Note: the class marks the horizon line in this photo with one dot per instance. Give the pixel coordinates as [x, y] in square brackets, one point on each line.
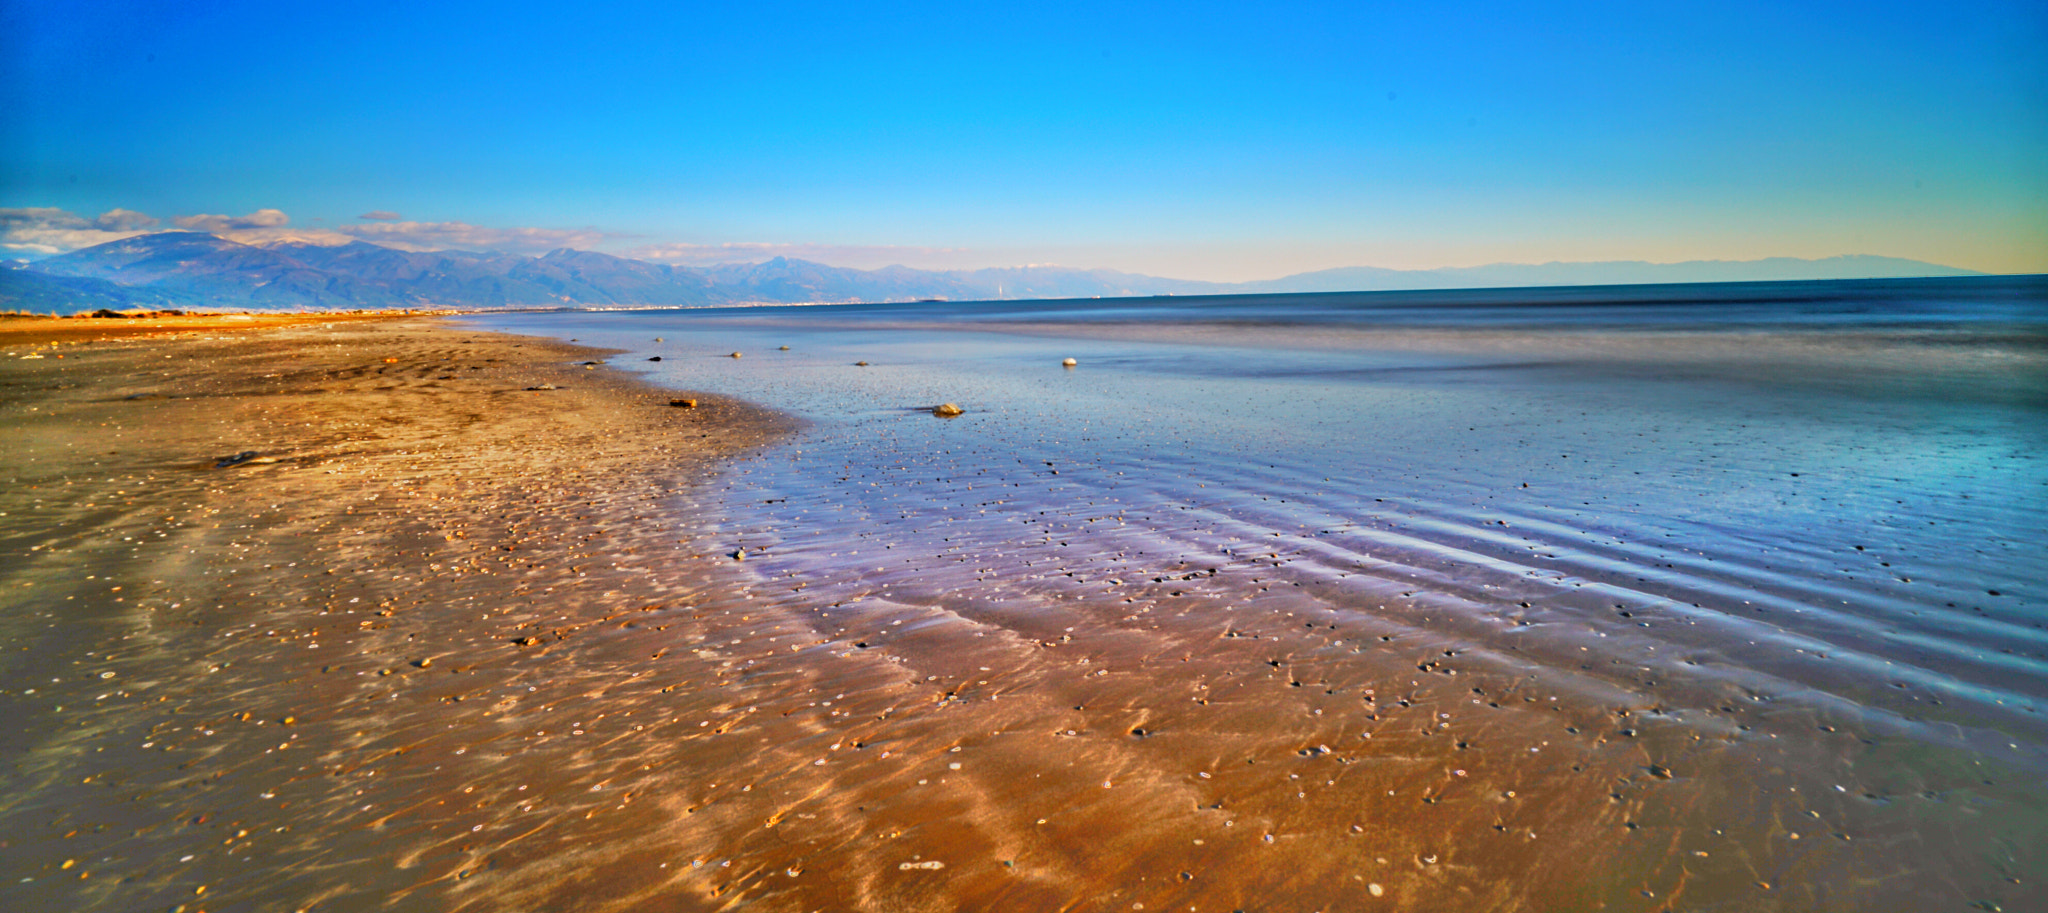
[25, 259]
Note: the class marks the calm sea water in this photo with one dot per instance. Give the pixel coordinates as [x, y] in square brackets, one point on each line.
[1831, 492]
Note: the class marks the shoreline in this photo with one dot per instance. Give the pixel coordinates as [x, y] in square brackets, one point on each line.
[446, 641]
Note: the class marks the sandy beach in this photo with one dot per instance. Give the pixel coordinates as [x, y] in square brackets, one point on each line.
[397, 614]
[200, 651]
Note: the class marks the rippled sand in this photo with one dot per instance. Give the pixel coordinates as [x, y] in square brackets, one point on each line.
[464, 645]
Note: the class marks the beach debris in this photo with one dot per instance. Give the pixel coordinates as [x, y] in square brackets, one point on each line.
[1070, 363]
[734, 355]
[235, 460]
[947, 410]
[683, 403]
[544, 387]
[655, 358]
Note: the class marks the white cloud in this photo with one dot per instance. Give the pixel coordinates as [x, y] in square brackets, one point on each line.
[49, 230]
[219, 225]
[262, 227]
[853, 255]
[464, 236]
[118, 219]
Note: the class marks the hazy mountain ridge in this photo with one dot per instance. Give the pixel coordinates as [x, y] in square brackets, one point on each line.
[1610, 272]
[198, 270]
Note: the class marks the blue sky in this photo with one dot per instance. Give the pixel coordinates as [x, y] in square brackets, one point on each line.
[1196, 140]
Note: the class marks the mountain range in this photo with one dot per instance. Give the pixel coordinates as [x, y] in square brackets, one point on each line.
[194, 270]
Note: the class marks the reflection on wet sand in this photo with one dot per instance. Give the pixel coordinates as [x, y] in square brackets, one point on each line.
[472, 646]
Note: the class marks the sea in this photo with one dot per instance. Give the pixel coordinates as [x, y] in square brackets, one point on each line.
[1817, 506]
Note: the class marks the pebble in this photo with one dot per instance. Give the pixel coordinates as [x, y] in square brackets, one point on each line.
[734, 355]
[1070, 362]
[947, 410]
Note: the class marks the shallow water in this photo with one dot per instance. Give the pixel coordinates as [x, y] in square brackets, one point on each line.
[1788, 532]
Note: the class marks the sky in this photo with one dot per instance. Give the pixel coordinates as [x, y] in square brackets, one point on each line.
[1194, 140]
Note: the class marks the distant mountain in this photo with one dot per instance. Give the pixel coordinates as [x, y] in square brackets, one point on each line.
[196, 270]
[1612, 272]
[786, 280]
[36, 293]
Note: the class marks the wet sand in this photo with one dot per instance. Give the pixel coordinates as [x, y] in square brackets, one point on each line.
[446, 642]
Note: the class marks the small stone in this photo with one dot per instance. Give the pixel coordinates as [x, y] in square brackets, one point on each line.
[424, 663]
[1070, 362]
[543, 387]
[683, 403]
[784, 349]
[235, 460]
[734, 355]
[740, 555]
[1660, 772]
[655, 358]
[1375, 890]
[947, 410]
[860, 364]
